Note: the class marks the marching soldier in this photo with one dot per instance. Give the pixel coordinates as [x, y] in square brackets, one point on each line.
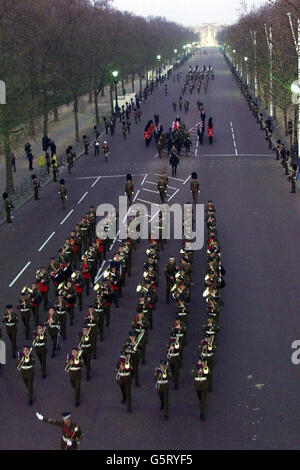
[201, 375]
[174, 351]
[195, 187]
[86, 346]
[207, 349]
[170, 272]
[73, 366]
[130, 347]
[129, 188]
[8, 205]
[292, 178]
[86, 273]
[91, 322]
[40, 347]
[162, 377]
[43, 280]
[61, 308]
[162, 189]
[71, 432]
[53, 329]
[70, 297]
[54, 271]
[210, 327]
[62, 191]
[25, 365]
[36, 187]
[11, 320]
[123, 379]
[99, 311]
[107, 297]
[78, 280]
[35, 302]
[139, 324]
[24, 306]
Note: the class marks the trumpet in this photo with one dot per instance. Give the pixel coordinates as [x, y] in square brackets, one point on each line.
[82, 339]
[139, 339]
[74, 276]
[141, 288]
[98, 287]
[145, 274]
[39, 274]
[26, 290]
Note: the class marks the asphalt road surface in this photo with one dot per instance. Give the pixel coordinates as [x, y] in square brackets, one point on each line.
[255, 399]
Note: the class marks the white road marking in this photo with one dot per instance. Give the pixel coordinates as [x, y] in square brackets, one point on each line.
[155, 156]
[21, 272]
[82, 197]
[45, 243]
[67, 217]
[136, 195]
[153, 217]
[115, 239]
[187, 179]
[173, 195]
[96, 181]
[148, 202]
[144, 179]
[99, 272]
[170, 177]
[233, 137]
[150, 191]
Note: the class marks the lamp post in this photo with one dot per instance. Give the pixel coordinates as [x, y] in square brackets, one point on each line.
[246, 60]
[159, 58]
[269, 38]
[296, 85]
[115, 74]
[234, 51]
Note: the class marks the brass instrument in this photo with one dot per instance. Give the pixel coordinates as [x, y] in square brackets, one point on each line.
[139, 339]
[22, 361]
[37, 334]
[210, 342]
[39, 274]
[141, 288]
[82, 340]
[74, 276]
[26, 290]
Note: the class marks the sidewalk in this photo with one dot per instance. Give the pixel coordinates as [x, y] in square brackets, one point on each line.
[63, 134]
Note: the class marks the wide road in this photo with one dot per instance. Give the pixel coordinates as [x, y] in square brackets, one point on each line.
[254, 404]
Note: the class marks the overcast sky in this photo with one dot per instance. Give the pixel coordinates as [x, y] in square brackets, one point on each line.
[188, 12]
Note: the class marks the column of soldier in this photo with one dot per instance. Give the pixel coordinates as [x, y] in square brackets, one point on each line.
[196, 76]
[202, 372]
[69, 282]
[134, 347]
[179, 282]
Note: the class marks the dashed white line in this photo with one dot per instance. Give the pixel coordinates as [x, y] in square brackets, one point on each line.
[63, 221]
[233, 137]
[144, 179]
[136, 195]
[96, 181]
[187, 179]
[45, 243]
[150, 191]
[153, 217]
[99, 272]
[81, 199]
[148, 202]
[173, 195]
[21, 272]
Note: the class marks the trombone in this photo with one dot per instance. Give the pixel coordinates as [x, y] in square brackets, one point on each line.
[22, 361]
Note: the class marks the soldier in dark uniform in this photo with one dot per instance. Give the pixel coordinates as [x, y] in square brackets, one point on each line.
[292, 178]
[107, 296]
[53, 329]
[62, 191]
[162, 377]
[61, 308]
[91, 321]
[201, 375]
[36, 298]
[123, 378]
[71, 432]
[195, 187]
[8, 205]
[130, 348]
[40, 347]
[24, 306]
[43, 279]
[74, 365]
[129, 188]
[170, 272]
[86, 346]
[99, 311]
[10, 319]
[25, 364]
[162, 189]
[174, 356]
[36, 187]
[140, 324]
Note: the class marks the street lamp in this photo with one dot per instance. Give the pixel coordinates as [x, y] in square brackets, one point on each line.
[175, 50]
[234, 51]
[246, 60]
[115, 74]
[158, 58]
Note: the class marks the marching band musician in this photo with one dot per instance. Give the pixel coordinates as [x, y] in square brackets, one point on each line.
[86, 274]
[91, 322]
[61, 308]
[144, 305]
[10, 318]
[25, 365]
[53, 325]
[74, 249]
[71, 432]
[174, 356]
[74, 364]
[179, 329]
[84, 232]
[92, 261]
[70, 298]
[24, 305]
[134, 352]
[115, 284]
[64, 264]
[92, 218]
[123, 379]
[86, 346]
[107, 294]
[129, 188]
[210, 327]
[35, 297]
[78, 281]
[98, 311]
[43, 280]
[170, 272]
[162, 377]
[54, 271]
[207, 349]
[202, 377]
[100, 249]
[140, 323]
[78, 236]
[40, 347]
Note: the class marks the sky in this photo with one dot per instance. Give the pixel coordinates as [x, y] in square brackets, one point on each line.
[188, 12]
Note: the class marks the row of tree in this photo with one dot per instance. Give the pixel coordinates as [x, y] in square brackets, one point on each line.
[54, 51]
[248, 38]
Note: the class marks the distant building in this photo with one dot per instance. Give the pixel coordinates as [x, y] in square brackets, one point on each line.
[208, 33]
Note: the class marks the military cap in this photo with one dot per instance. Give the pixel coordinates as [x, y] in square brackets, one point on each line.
[61, 181]
[9, 306]
[163, 362]
[66, 415]
[194, 175]
[128, 177]
[5, 195]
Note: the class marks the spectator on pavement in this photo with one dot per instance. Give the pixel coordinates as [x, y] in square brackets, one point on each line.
[13, 162]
